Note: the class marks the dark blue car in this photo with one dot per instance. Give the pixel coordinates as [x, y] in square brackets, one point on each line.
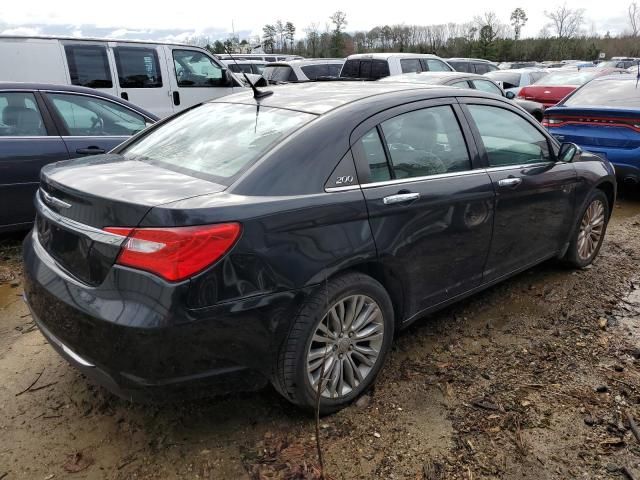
[603, 117]
[41, 124]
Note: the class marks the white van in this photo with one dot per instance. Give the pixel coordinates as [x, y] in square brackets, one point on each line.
[163, 78]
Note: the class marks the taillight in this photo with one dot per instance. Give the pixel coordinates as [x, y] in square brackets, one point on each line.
[550, 121]
[175, 253]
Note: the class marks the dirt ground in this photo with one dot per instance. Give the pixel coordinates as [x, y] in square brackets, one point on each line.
[533, 378]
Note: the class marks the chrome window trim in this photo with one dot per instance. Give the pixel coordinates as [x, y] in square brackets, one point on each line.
[93, 233]
[27, 137]
[518, 167]
[399, 181]
[80, 137]
[346, 188]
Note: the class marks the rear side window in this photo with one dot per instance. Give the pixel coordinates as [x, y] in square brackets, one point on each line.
[195, 69]
[19, 116]
[434, 65]
[216, 140]
[350, 69]
[90, 116]
[426, 142]
[410, 65]
[88, 66]
[314, 71]
[138, 67]
[508, 138]
[376, 158]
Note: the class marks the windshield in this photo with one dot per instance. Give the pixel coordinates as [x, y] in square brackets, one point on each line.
[279, 73]
[508, 79]
[611, 92]
[216, 139]
[566, 78]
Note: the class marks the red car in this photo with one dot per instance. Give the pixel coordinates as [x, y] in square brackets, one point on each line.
[552, 88]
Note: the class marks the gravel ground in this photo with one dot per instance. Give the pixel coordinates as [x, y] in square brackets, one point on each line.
[534, 378]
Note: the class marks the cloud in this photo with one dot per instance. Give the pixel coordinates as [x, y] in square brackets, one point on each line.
[22, 31]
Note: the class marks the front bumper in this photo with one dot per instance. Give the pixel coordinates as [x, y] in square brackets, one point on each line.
[134, 335]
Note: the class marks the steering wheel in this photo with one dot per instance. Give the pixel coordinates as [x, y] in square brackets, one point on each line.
[97, 125]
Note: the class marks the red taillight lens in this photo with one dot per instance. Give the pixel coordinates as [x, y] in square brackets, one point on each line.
[175, 253]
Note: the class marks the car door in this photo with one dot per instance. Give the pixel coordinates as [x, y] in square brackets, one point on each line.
[429, 209]
[534, 191]
[28, 141]
[92, 125]
[195, 77]
[142, 76]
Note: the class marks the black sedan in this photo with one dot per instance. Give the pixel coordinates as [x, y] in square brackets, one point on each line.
[41, 124]
[467, 80]
[286, 238]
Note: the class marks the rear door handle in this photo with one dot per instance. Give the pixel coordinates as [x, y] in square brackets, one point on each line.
[511, 182]
[90, 151]
[400, 198]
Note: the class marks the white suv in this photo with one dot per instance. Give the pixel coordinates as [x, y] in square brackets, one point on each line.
[372, 66]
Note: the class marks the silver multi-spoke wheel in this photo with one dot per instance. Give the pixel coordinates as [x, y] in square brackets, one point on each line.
[347, 341]
[591, 229]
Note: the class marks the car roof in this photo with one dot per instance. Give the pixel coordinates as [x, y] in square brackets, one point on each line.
[307, 61]
[431, 75]
[322, 97]
[75, 89]
[464, 59]
[519, 70]
[385, 56]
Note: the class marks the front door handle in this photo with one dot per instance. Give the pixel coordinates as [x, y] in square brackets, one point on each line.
[90, 151]
[510, 182]
[400, 198]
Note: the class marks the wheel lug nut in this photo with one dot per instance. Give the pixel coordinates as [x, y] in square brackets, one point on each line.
[340, 356]
[350, 334]
[350, 347]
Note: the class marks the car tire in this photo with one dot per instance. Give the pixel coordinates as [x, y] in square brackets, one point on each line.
[589, 231]
[338, 305]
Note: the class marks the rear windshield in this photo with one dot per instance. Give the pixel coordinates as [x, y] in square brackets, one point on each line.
[609, 92]
[279, 73]
[216, 141]
[566, 78]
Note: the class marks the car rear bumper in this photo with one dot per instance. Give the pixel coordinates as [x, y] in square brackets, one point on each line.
[126, 336]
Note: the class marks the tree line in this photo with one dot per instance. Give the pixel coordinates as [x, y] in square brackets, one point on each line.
[565, 36]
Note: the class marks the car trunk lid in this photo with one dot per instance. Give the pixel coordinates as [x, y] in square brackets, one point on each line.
[79, 198]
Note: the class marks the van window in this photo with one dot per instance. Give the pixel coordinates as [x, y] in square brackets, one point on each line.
[138, 67]
[88, 66]
[195, 69]
[19, 116]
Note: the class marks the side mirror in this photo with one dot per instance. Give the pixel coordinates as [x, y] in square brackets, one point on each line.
[568, 152]
[510, 95]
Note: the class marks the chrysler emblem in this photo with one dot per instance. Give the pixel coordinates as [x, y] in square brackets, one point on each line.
[53, 201]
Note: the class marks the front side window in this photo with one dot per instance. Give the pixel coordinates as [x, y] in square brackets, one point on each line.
[90, 116]
[20, 116]
[216, 139]
[487, 86]
[508, 138]
[88, 66]
[436, 65]
[426, 142]
[138, 67]
[410, 65]
[195, 69]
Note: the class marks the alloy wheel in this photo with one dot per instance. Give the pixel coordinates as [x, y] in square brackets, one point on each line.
[591, 229]
[347, 341]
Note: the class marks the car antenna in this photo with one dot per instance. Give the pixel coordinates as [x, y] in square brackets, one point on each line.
[257, 94]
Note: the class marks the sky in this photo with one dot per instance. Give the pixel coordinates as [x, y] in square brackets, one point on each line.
[129, 19]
